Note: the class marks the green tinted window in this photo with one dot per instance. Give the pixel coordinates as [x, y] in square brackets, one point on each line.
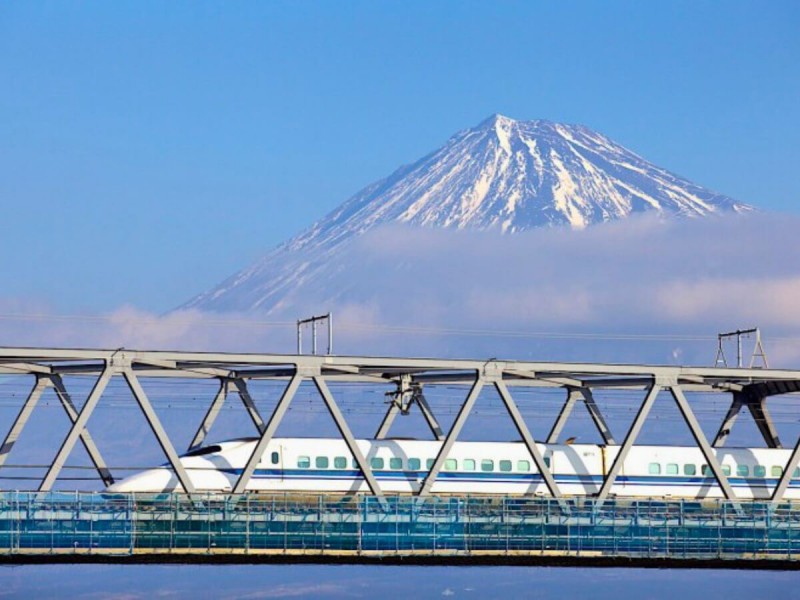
[487, 465]
[726, 470]
[469, 464]
[523, 466]
[396, 463]
[776, 471]
[706, 470]
[414, 464]
[275, 458]
[654, 469]
[451, 464]
[505, 466]
[429, 463]
[376, 463]
[760, 471]
[742, 470]
[304, 462]
[689, 469]
[321, 462]
[672, 469]
[340, 462]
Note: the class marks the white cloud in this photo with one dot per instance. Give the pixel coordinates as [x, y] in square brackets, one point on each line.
[676, 277]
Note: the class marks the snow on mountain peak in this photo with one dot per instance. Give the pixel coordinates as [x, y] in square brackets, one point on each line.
[503, 175]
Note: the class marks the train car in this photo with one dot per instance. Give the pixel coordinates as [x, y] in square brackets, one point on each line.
[319, 465]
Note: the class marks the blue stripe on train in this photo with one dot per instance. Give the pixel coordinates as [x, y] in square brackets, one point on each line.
[478, 477]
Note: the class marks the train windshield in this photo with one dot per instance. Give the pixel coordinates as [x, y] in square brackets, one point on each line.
[204, 450]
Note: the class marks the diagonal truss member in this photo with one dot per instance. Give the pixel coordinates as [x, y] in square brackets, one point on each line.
[694, 427]
[225, 384]
[758, 410]
[575, 394]
[277, 416]
[458, 424]
[43, 382]
[408, 393]
[78, 429]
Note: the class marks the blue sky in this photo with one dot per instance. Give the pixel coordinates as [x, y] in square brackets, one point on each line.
[148, 150]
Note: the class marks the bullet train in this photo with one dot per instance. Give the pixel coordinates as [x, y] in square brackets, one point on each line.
[316, 465]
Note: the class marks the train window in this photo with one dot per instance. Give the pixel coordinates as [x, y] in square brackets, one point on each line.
[689, 469]
[451, 464]
[429, 463]
[547, 461]
[321, 462]
[654, 469]
[304, 462]
[672, 468]
[726, 470]
[376, 463]
[396, 463]
[505, 466]
[414, 464]
[523, 465]
[796, 473]
[469, 464]
[340, 462]
[776, 471]
[706, 471]
[275, 458]
[759, 471]
[742, 470]
[487, 465]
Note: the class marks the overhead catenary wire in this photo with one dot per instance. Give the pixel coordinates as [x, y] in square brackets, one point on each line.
[344, 325]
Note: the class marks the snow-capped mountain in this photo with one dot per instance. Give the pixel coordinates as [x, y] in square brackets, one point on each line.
[503, 175]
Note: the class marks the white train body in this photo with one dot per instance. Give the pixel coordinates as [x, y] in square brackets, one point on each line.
[318, 465]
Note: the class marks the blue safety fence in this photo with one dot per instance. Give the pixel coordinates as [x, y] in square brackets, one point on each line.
[42, 523]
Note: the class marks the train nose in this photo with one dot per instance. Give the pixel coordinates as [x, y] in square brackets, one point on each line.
[114, 488]
[153, 480]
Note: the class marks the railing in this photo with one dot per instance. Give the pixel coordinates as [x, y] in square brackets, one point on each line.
[89, 523]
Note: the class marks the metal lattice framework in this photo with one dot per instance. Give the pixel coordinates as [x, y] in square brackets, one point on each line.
[749, 387]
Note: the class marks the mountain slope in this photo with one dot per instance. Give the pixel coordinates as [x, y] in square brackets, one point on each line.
[502, 175]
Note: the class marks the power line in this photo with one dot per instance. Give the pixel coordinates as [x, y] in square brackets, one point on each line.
[375, 327]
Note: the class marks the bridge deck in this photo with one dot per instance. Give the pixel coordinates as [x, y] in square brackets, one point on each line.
[504, 529]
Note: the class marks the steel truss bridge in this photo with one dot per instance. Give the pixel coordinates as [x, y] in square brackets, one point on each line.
[406, 377]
